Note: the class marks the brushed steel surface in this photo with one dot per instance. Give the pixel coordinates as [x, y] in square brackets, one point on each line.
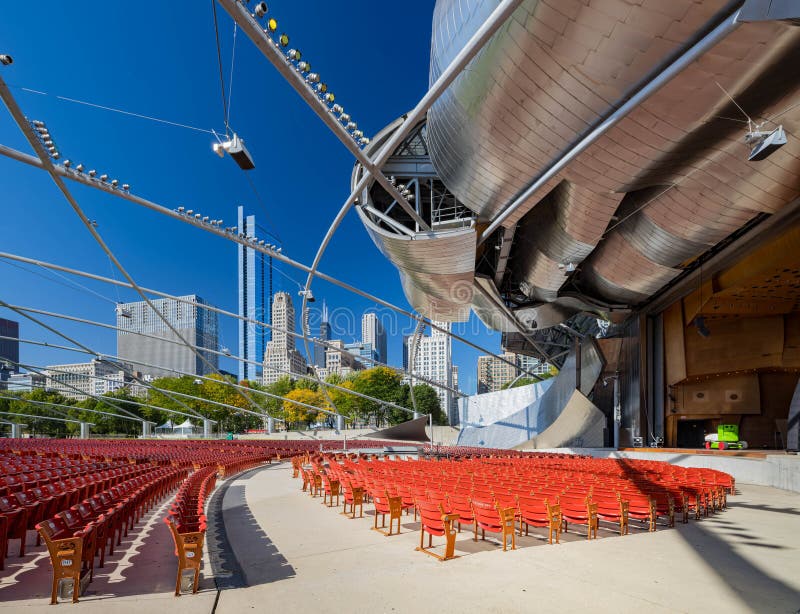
[436, 269]
[485, 424]
[551, 72]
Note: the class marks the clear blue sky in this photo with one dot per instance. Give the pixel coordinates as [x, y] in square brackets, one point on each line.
[159, 59]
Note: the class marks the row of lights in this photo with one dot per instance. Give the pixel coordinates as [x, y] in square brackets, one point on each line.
[304, 68]
[204, 219]
[402, 188]
[47, 142]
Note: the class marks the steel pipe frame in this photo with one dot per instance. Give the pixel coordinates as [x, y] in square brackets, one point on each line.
[270, 50]
[10, 413]
[47, 164]
[262, 392]
[74, 408]
[82, 346]
[84, 180]
[448, 75]
[187, 302]
[109, 401]
[728, 25]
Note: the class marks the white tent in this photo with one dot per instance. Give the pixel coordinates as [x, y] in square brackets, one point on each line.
[165, 428]
[186, 428]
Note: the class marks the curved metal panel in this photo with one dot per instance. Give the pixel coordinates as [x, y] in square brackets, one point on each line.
[436, 269]
[487, 421]
[543, 79]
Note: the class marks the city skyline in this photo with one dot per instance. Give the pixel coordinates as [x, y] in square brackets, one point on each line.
[175, 166]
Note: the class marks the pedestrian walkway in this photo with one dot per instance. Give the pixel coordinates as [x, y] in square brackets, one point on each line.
[295, 552]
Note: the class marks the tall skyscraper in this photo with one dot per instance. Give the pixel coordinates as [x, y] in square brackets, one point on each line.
[251, 274]
[281, 357]
[324, 335]
[9, 348]
[196, 325]
[373, 333]
[434, 360]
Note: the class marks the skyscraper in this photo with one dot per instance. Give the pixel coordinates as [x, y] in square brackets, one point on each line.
[433, 360]
[373, 333]
[9, 348]
[281, 357]
[196, 325]
[251, 272]
[324, 335]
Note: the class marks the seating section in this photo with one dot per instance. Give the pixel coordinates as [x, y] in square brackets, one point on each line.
[82, 497]
[503, 494]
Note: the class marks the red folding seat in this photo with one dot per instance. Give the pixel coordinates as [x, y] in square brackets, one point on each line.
[579, 511]
[489, 517]
[532, 512]
[641, 507]
[16, 522]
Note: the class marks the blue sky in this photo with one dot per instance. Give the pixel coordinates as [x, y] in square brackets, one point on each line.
[159, 59]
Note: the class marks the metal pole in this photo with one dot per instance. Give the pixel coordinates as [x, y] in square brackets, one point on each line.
[16, 430]
[84, 430]
[270, 425]
[207, 429]
[617, 410]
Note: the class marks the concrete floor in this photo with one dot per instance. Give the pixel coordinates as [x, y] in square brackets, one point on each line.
[295, 552]
[272, 546]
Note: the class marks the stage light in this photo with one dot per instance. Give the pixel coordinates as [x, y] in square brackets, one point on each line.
[272, 25]
[261, 9]
[764, 143]
[329, 97]
[103, 177]
[181, 209]
[337, 108]
[79, 168]
[67, 163]
[364, 140]
[312, 77]
[236, 149]
[283, 40]
[322, 88]
[92, 173]
[205, 218]
[294, 54]
[190, 212]
[197, 216]
[344, 118]
[6, 60]
[126, 186]
[303, 66]
[114, 183]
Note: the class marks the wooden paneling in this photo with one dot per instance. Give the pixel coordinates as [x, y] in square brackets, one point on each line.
[674, 350]
[737, 394]
[735, 345]
[791, 340]
[610, 349]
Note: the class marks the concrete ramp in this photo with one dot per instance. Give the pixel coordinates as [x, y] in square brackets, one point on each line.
[580, 425]
[510, 418]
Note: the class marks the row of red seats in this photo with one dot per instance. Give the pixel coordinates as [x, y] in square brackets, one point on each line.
[75, 537]
[493, 494]
[22, 510]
